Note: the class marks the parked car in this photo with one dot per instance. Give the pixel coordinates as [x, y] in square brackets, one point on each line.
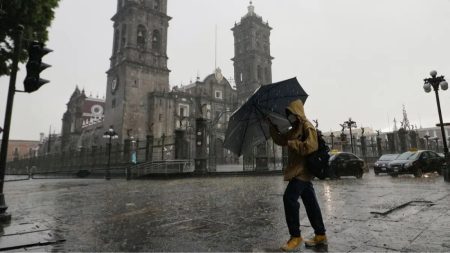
[417, 163]
[381, 165]
[346, 164]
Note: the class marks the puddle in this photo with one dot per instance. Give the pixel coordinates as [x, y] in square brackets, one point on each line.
[405, 210]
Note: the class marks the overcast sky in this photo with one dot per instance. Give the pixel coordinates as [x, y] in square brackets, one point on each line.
[356, 58]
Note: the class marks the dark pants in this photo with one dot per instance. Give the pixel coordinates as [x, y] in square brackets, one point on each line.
[295, 189]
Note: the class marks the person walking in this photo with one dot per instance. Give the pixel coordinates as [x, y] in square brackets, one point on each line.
[301, 140]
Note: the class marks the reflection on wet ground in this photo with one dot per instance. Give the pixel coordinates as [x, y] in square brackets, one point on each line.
[230, 213]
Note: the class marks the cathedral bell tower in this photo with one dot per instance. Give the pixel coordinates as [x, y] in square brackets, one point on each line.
[138, 64]
[252, 60]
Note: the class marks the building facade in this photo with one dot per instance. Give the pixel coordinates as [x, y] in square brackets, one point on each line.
[22, 149]
[140, 104]
[213, 99]
[82, 123]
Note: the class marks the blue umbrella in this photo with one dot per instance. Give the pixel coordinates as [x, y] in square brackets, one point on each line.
[247, 126]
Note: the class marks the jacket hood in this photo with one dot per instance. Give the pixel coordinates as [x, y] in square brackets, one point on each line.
[296, 108]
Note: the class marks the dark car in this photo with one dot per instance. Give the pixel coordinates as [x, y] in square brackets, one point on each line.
[346, 164]
[417, 163]
[381, 165]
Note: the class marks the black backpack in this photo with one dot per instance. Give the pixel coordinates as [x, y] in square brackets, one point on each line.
[318, 161]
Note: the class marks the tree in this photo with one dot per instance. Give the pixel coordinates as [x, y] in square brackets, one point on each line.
[35, 15]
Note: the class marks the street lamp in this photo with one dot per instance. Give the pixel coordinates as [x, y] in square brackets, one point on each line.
[350, 124]
[435, 82]
[332, 140]
[110, 134]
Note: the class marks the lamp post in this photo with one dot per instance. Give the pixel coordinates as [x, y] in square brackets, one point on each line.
[350, 124]
[332, 140]
[435, 82]
[110, 134]
[5, 217]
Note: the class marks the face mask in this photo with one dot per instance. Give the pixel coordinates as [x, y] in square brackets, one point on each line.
[292, 119]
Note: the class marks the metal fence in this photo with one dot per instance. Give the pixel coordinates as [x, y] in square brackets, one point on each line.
[165, 167]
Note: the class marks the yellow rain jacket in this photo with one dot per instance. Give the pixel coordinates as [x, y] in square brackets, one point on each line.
[297, 149]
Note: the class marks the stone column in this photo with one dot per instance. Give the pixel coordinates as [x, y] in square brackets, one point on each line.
[200, 146]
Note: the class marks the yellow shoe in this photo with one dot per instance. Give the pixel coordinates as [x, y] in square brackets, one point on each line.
[317, 241]
[292, 244]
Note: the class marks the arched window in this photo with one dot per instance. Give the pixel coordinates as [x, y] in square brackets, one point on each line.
[141, 36]
[156, 5]
[156, 40]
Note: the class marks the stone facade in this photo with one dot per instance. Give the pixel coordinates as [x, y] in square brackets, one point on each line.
[139, 103]
[82, 123]
[213, 99]
[252, 60]
[138, 65]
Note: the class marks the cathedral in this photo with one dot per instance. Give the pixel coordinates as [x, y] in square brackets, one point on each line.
[140, 103]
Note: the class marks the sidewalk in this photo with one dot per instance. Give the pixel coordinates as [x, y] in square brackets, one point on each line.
[228, 214]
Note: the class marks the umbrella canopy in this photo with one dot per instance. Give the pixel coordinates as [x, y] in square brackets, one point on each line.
[247, 126]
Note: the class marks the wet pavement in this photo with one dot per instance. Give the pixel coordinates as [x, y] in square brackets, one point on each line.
[239, 213]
